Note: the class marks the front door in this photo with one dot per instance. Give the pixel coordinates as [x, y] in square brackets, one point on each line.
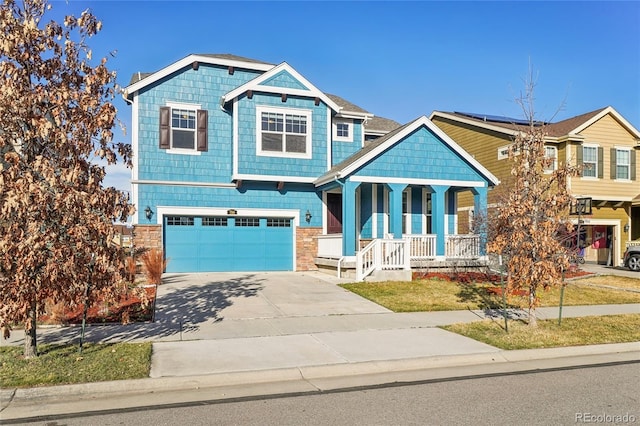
[334, 213]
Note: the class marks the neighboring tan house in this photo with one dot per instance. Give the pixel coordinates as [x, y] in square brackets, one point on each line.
[602, 143]
[242, 165]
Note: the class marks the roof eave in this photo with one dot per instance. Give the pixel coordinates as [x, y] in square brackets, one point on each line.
[188, 60]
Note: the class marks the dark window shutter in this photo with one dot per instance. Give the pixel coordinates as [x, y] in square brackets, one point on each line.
[579, 163]
[613, 161]
[600, 162]
[165, 128]
[632, 164]
[202, 130]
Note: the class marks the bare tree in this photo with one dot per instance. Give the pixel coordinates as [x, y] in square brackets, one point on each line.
[530, 224]
[56, 118]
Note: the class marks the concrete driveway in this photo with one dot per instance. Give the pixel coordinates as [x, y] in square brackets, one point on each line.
[212, 305]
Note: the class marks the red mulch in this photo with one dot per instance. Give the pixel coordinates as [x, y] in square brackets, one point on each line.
[129, 308]
[460, 277]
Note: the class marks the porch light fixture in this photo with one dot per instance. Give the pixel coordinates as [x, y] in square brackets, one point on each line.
[307, 216]
[626, 227]
[148, 213]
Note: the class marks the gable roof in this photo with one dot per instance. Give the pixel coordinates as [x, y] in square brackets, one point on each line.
[569, 127]
[141, 80]
[380, 125]
[256, 84]
[382, 144]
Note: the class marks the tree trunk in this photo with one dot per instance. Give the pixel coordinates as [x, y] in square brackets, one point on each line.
[533, 321]
[30, 344]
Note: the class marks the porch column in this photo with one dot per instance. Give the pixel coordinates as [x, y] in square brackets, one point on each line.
[480, 210]
[349, 218]
[395, 209]
[438, 217]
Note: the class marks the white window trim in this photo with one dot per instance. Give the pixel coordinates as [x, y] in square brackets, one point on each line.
[554, 167]
[425, 215]
[267, 108]
[628, 178]
[337, 138]
[595, 146]
[406, 217]
[183, 151]
[503, 152]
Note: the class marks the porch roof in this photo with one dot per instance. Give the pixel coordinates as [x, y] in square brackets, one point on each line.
[381, 145]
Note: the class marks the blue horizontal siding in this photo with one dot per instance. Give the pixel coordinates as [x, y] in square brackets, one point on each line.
[250, 195]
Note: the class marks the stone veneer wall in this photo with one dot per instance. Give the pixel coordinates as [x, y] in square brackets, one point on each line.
[307, 248]
[148, 236]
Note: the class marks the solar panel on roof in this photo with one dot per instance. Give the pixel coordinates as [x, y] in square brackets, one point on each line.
[497, 118]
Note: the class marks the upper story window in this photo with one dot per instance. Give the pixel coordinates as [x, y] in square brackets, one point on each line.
[590, 161]
[283, 132]
[551, 154]
[621, 158]
[343, 130]
[183, 128]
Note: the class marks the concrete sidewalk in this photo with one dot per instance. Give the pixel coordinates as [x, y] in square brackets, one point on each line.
[284, 333]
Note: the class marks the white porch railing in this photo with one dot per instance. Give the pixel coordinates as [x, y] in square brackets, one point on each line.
[330, 246]
[422, 246]
[462, 246]
[383, 254]
[632, 243]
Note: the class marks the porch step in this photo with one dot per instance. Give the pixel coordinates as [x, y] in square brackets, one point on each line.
[389, 275]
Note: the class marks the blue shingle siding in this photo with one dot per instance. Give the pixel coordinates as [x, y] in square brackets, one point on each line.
[251, 163]
[250, 195]
[284, 79]
[341, 150]
[421, 155]
[204, 87]
[365, 210]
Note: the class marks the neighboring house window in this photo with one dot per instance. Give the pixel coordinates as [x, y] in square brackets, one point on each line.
[551, 153]
[343, 130]
[590, 161]
[282, 132]
[183, 128]
[621, 163]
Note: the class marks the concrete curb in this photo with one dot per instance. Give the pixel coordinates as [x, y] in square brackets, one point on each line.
[31, 396]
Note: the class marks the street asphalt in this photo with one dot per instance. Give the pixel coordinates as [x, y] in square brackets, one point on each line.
[224, 335]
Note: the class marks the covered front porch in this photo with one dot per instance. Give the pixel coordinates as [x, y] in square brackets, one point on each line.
[393, 205]
[362, 219]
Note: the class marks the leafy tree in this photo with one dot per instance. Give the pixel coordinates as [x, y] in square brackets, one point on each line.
[56, 120]
[531, 223]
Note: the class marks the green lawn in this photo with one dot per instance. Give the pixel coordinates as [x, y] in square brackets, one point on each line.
[573, 332]
[441, 295]
[63, 364]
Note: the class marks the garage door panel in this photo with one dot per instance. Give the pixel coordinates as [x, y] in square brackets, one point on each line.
[228, 244]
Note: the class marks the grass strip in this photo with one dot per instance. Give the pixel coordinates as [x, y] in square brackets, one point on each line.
[592, 330]
[63, 364]
[441, 295]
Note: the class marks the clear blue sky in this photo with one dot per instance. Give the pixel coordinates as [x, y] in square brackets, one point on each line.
[398, 60]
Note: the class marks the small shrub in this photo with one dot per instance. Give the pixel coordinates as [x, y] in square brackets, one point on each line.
[153, 264]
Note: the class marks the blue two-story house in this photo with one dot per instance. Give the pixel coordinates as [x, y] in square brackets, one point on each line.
[241, 165]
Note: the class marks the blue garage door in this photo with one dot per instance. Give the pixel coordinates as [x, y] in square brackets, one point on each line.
[217, 244]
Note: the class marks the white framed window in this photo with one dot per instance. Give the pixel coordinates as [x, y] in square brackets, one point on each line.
[503, 152]
[343, 130]
[406, 211]
[427, 210]
[551, 154]
[590, 161]
[283, 132]
[623, 163]
[183, 125]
